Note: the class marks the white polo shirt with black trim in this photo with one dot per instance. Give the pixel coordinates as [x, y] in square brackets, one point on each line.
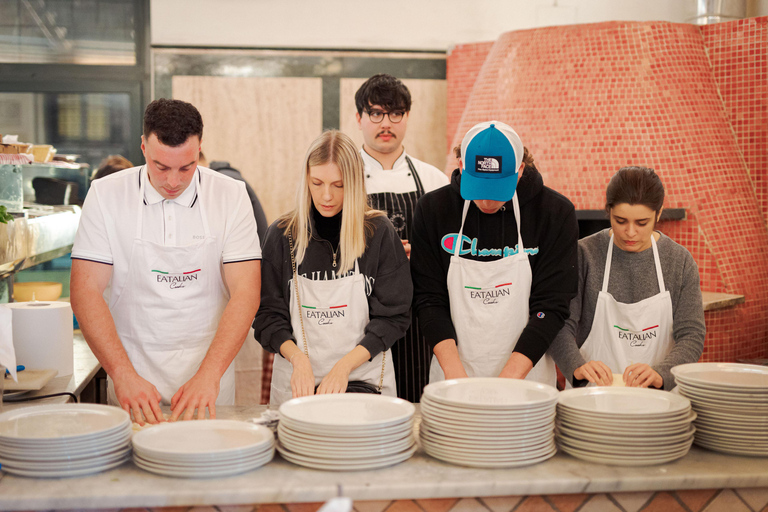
[110, 212]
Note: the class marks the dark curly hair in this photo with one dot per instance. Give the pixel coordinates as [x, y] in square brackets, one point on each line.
[635, 185]
[172, 121]
[384, 90]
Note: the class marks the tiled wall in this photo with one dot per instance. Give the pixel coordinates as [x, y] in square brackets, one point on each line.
[461, 70]
[685, 100]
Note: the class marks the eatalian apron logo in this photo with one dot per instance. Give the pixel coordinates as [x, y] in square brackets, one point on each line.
[176, 279]
[489, 295]
[637, 338]
[324, 316]
[448, 243]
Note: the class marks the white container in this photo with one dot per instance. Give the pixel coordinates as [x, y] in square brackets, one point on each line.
[11, 188]
[42, 336]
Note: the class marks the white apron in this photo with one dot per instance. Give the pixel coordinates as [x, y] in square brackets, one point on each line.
[489, 309]
[168, 313]
[335, 315]
[625, 334]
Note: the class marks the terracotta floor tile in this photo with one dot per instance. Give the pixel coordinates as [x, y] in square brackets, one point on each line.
[437, 504]
[567, 502]
[632, 501]
[696, 499]
[236, 508]
[535, 504]
[727, 501]
[467, 505]
[600, 503]
[755, 497]
[501, 503]
[664, 502]
[137, 509]
[303, 507]
[371, 505]
[195, 509]
[269, 507]
[404, 506]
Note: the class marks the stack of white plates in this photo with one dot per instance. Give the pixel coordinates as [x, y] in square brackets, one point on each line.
[203, 448]
[488, 422]
[731, 401]
[346, 432]
[64, 440]
[624, 426]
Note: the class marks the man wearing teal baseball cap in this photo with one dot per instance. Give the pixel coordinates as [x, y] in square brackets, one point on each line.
[493, 263]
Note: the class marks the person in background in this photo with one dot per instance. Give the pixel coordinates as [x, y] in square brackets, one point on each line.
[166, 273]
[395, 181]
[493, 263]
[337, 289]
[638, 311]
[227, 170]
[110, 165]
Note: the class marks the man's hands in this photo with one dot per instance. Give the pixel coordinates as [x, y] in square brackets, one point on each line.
[198, 393]
[138, 396]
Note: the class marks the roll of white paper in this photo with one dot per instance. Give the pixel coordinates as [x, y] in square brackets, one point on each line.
[42, 335]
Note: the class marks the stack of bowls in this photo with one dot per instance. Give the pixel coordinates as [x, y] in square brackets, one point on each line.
[346, 432]
[64, 440]
[203, 449]
[624, 426]
[488, 422]
[731, 401]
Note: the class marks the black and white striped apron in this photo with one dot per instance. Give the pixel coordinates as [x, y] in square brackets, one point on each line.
[410, 355]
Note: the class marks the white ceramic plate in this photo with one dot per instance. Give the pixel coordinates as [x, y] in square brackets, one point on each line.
[347, 432]
[68, 472]
[725, 396]
[490, 414]
[630, 439]
[463, 461]
[491, 393]
[347, 410]
[598, 448]
[732, 449]
[48, 453]
[213, 438]
[730, 376]
[534, 452]
[623, 460]
[757, 435]
[204, 458]
[476, 417]
[66, 465]
[478, 423]
[195, 464]
[475, 449]
[65, 445]
[630, 402]
[372, 440]
[202, 471]
[61, 422]
[323, 452]
[345, 466]
[475, 432]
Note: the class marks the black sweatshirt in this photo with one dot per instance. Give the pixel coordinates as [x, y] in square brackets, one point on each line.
[549, 230]
[384, 265]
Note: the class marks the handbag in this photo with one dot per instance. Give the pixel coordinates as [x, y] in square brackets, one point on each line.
[353, 386]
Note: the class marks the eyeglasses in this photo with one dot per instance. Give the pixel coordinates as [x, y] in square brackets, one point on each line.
[377, 116]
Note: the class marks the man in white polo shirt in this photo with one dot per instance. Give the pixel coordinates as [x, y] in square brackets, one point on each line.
[394, 182]
[166, 273]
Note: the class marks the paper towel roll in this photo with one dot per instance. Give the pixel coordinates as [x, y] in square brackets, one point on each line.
[42, 335]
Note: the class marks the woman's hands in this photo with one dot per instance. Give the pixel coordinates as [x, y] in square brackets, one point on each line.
[640, 375]
[302, 378]
[596, 372]
[337, 379]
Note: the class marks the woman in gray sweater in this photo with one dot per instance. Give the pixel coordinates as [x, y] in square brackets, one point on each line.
[638, 311]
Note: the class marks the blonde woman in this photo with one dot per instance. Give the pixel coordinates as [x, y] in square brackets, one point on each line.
[334, 324]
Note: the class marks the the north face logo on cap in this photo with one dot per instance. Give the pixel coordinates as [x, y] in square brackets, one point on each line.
[488, 164]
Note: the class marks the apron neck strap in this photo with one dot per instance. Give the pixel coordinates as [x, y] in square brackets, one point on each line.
[460, 237]
[656, 260]
[142, 185]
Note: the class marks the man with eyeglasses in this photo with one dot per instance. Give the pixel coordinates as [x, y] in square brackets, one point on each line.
[395, 181]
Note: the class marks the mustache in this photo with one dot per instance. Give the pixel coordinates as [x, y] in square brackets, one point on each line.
[386, 132]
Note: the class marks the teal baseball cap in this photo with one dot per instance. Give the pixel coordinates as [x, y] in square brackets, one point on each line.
[491, 153]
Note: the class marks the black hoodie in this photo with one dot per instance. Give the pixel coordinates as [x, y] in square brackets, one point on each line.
[549, 228]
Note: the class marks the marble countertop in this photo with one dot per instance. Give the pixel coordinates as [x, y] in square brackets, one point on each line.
[420, 477]
[85, 367]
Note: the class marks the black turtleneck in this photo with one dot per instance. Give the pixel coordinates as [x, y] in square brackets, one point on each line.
[327, 228]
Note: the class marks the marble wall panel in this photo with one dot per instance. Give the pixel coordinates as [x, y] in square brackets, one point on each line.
[426, 124]
[261, 125]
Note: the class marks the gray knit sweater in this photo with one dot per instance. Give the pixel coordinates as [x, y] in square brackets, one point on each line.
[633, 278]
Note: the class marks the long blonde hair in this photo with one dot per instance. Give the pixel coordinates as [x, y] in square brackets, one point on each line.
[332, 146]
